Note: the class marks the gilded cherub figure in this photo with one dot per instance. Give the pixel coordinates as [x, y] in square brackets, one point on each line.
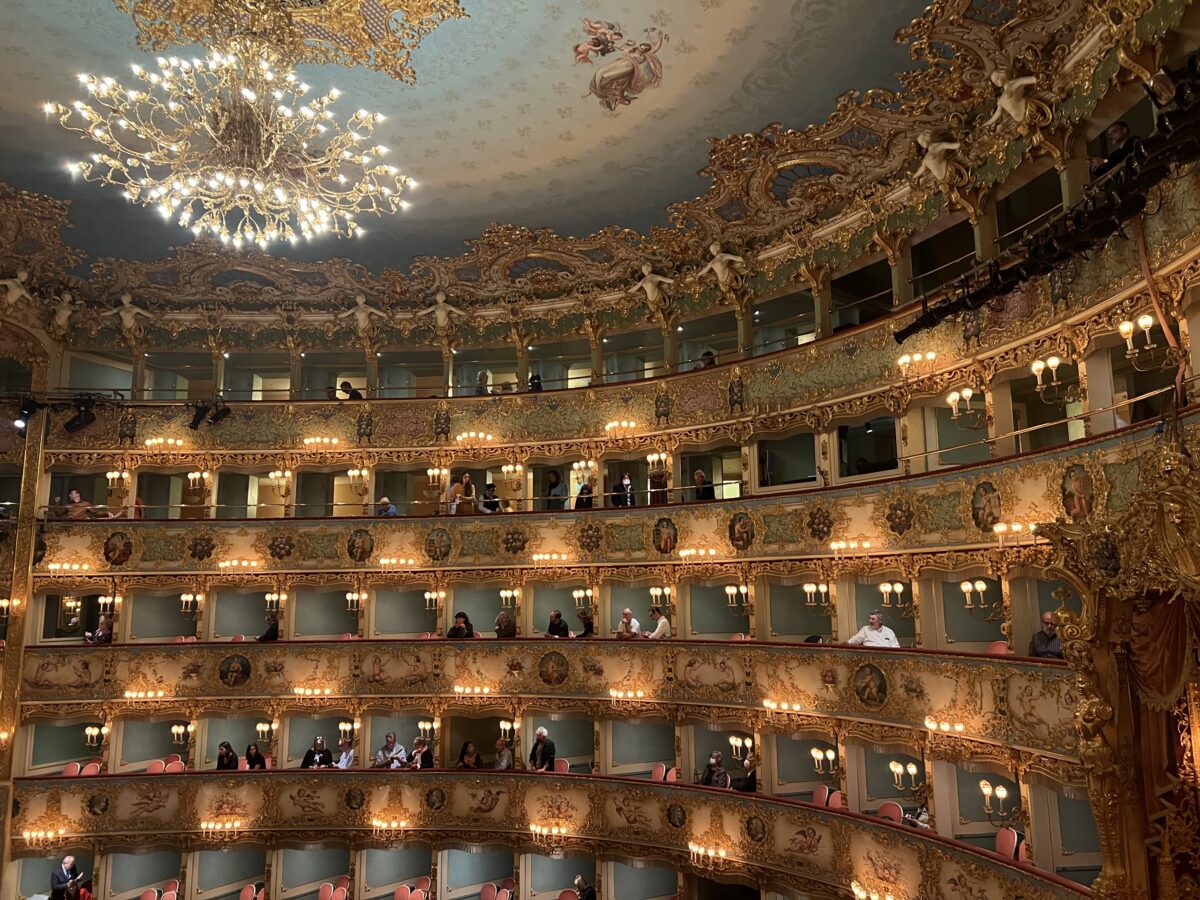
[729, 268]
[1014, 96]
[656, 298]
[936, 160]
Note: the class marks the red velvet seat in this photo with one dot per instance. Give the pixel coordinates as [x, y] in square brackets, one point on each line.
[672, 774]
[92, 768]
[1006, 843]
[71, 769]
[658, 772]
[998, 648]
[821, 795]
[892, 811]
[561, 767]
[155, 767]
[174, 768]
[247, 893]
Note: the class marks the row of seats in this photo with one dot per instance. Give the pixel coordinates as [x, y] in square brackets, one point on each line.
[168, 765]
[660, 772]
[169, 891]
[250, 893]
[84, 769]
[501, 891]
[419, 890]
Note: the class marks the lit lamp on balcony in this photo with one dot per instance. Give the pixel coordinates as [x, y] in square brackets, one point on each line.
[846, 548]
[740, 747]
[304, 691]
[197, 480]
[389, 829]
[118, 481]
[108, 604]
[705, 857]
[435, 601]
[657, 461]
[348, 731]
[281, 481]
[619, 428]
[396, 563]
[266, 732]
[625, 698]
[513, 474]
[510, 598]
[44, 838]
[862, 893]
[133, 694]
[890, 589]
[550, 558]
[962, 410]
[162, 445]
[274, 600]
[67, 568]
[582, 598]
[552, 838]
[221, 829]
[5, 605]
[467, 690]
[360, 481]
[824, 761]
[320, 443]
[238, 565]
[95, 735]
[898, 770]
[915, 363]
[429, 729]
[817, 593]
[191, 604]
[179, 735]
[509, 730]
[697, 554]
[737, 597]
[970, 589]
[936, 726]
[584, 471]
[355, 600]
[474, 440]
[1054, 391]
[998, 816]
[660, 596]
[1146, 358]
[4, 736]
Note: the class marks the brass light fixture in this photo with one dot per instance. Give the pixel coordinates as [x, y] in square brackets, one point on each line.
[824, 761]
[706, 858]
[191, 604]
[737, 597]
[964, 411]
[1053, 391]
[818, 594]
[1149, 356]
[997, 815]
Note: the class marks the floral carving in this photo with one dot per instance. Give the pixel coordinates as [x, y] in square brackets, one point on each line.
[819, 523]
[201, 547]
[514, 541]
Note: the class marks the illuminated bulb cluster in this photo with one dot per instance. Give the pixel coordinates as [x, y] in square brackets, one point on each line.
[312, 692]
[781, 706]
[513, 473]
[547, 830]
[619, 428]
[229, 146]
[619, 696]
[389, 824]
[473, 439]
[117, 478]
[476, 691]
[437, 474]
[550, 557]
[64, 568]
[42, 835]
[396, 562]
[320, 443]
[159, 443]
[695, 554]
[145, 695]
[1145, 322]
[944, 727]
[842, 548]
[1014, 531]
[701, 855]
[861, 893]
[915, 361]
[212, 826]
[242, 564]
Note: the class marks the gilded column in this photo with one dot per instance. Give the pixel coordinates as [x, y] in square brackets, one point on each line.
[820, 284]
[898, 250]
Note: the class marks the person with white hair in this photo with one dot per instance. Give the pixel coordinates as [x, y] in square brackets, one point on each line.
[583, 889]
[541, 756]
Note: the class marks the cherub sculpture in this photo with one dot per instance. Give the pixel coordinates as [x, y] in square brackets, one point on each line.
[362, 312]
[14, 290]
[62, 310]
[937, 156]
[441, 311]
[128, 313]
[728, 268]
[1014, 96]
[656, 297]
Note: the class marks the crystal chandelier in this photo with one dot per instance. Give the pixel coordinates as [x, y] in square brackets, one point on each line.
[230, 145]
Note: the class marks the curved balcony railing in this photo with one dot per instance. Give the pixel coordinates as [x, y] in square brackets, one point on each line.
[1026, 704]
[791, 843]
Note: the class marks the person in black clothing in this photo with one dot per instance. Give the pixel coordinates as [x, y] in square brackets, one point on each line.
[541, 755]
[583, 500]
[490, 502]
[272, 632]
[1123, 144]
[704, 490]
[317, 756]
[623, 495]
[714, 773]
[749, 783]
[468, 757]
[462, 627]
[255, 759]
[589, 624]
[351, 392]
[583, 889]
[422, 756]
[62, 877]
[226, 758]
[557, 627]
[505, 626]
[535, 382]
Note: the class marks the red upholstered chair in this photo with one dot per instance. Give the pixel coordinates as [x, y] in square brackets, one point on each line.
[658, 772]
[488, 892]
[190, 639]
[326, 891]
[169, 895]
[1006, 843]
[338, 894]
[149, 894]
[821, 795]
[1023, 856]
[892, 811]
[262, 894]
[672, 774]
[504, 894]
[342, 881]
[561, 767]
[568, 894]
[419, 895]
[424, 883]
[92, 768]
[737, 637]
[170, 758]
[174, 768]
[172, 885]
[155, 767]
[836, 800]
[507, 884]
[247, 893]
[404, 892]
[998, 648]
[178, 639]
[239, 639]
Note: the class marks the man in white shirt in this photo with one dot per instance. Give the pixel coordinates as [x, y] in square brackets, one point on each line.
[875, 633]
[662, 628]
[628, 627]
[346, 760]
[504, 759]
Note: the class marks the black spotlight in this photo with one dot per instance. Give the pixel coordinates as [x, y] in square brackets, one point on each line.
[84, 414]
[220, 412]
[29, 406]
[201, 410]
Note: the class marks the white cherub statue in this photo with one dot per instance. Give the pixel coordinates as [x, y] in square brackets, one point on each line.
[14, 290]
[441, 311]
[128, 313]
[727, 267]
[658, 300]
[63, 309]
[937, 155]
[362, 312]
[1014, 96]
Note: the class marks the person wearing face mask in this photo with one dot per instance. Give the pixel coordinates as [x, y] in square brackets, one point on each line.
[714, 773]
[623, 495]
[748, 783]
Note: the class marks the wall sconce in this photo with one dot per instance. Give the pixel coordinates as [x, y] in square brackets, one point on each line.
[824, 761]
[513, 473]
[389, 829]
[110, 603]
[781, 706]
[473, 440]
[435, 601]
[355, 600]
[625, 698]
[740, 747]
[583, 471]
[4, 736]
[738, 595]
[849, 548]
[266, 732]
[430, 729]
[320, 443]
[145, 695]
[360, 481]
[891, 589]
[162, 445]
[705, 857]
[191, 604]
[96, 735]
[179, 735]
[696, 554]
[281, 480]
[118, 480]
[198, 480]
[898, 770]
[962, 410]
[311, 691]
[976, 604]
[657, 461]
[861, 893]
[348, 731]
[811, 592]
[550, 558]
[1054, 392]
[274, 599]
[436, 476]
[238, 564]
[5, 605]
[45, 838]
[998, 816]
[57, 568]
[221, 829]
[969, 590]
[917, 363]
[396, 563]
[944, 727]
[582, 597]
[551, 837]
[509, 730]
[622, 428]
[1144, 358]
[660, 596]
[472, 691]
[510, 598]
[1015, 532]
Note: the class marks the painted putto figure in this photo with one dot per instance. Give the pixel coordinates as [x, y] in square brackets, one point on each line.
[619, 82]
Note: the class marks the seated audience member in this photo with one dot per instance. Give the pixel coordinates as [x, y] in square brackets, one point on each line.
[351, 392]
[1123, 144]
[254, 758]
[468, 757]
[557, 627]
[387, 509]
[462, 627]
[875, 633]
[65, 881]
[391, 755]
[317, 756]
[535, 382]
[422, 756]
[704, 490]
[662, 627]
[541, 755]
[1046, 644]
[583, 500]
[272, 632]
[707, 360]
[629, 627]
[490, 502]
[102, 634]
[504, 757]
[505, 626]
[714, 773]
[748, 783]
[589, 625]
[345, 758]
[226, 758]
[584, 890]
